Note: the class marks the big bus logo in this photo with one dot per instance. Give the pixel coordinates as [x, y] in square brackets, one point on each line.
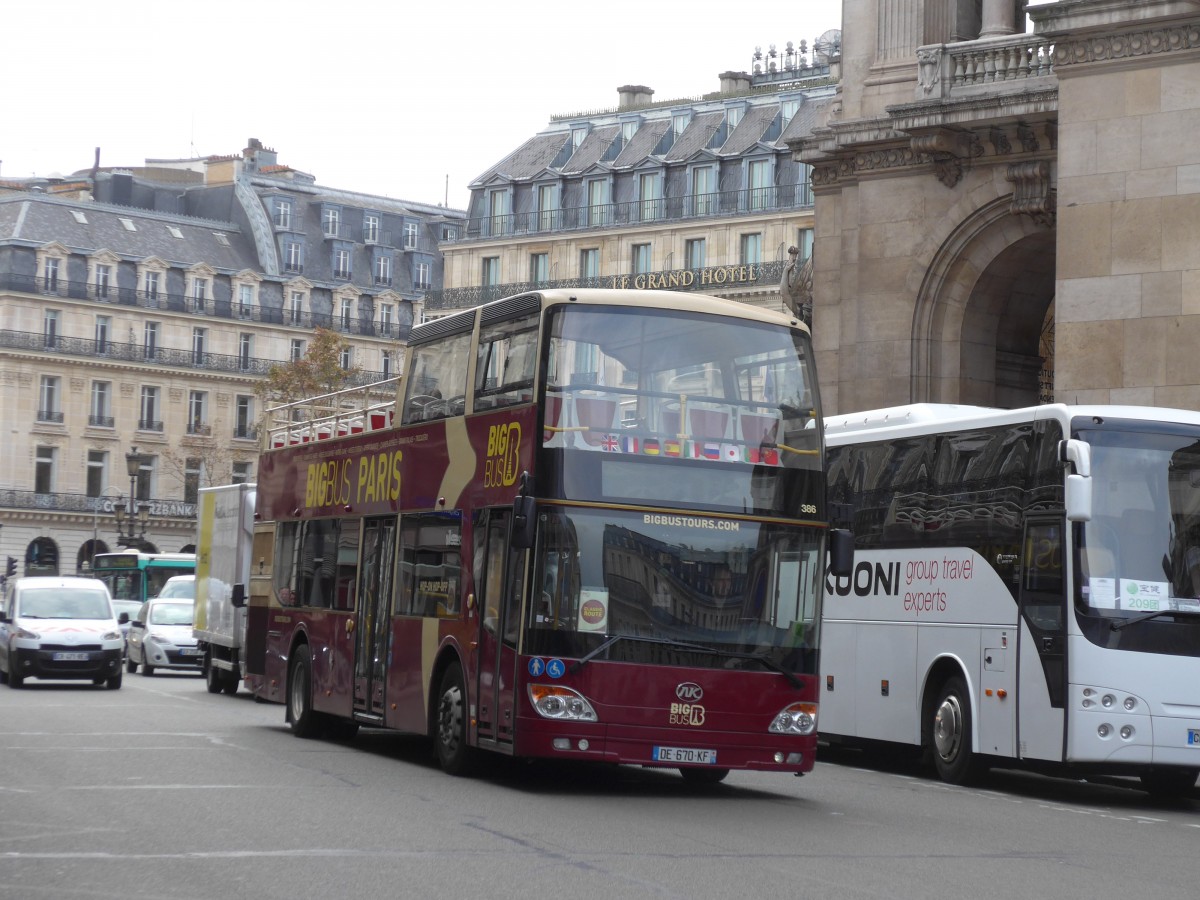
[689, 691]
[503, 448]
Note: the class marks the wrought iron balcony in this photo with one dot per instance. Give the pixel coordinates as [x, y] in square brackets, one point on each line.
[50, 415]
[101, 421]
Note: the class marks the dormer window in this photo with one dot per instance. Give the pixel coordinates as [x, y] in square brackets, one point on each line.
[680, 122]
[331, 221]
[283, 213]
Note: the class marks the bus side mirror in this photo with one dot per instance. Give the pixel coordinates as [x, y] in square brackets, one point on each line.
[238, 598]
[841, 553]
[1079, 498]
[524, 522]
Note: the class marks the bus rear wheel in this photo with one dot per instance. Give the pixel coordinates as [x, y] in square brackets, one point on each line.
[305, 721]
[950, 734]
[450, 725]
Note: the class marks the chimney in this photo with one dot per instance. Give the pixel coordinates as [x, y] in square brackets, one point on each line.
[734, 82]
[633, 95]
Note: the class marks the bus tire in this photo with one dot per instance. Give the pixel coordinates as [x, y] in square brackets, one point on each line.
[212, 676]
[1169, 784]
[950, 734]
[305, 721]
[450, 725]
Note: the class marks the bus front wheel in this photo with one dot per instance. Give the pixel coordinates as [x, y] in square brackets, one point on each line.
[305, 721]
[1169, 784]
[450, 735]
[950, 734]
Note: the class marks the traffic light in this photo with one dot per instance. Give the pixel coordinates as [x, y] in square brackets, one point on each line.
[11, 568]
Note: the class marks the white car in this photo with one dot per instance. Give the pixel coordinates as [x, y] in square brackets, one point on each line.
[178, 587]
[59, 627]
[161, 638]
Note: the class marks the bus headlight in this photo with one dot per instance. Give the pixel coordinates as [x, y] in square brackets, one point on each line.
[795, 718]
[553, 701]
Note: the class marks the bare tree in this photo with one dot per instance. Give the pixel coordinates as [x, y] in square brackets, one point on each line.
[319, 371]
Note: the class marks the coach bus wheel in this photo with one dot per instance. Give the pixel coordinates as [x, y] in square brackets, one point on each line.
[304, 719]
[1167, 784]
[950, 734]
[694, 775]
[450, 738]
[212, 675]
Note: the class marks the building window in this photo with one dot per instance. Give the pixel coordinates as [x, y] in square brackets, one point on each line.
[703, 191]
[48, 399]
[539, 268]
[297, 352]
[197, 407]
[43, 473]
[694, 253]
[546, 201]
[589, 263]
[347, 313]
[191, 479]
[297, 307]
[150, 340]
[150, 286]
[283, 213]
[491, 271]
[293, 257]
[410, 235]
[498, 211]
[243, 425]
[370, 229]
[628, 130]
[149, 420]
[650, 196]
[449, 233]
[199, 294]
[641, 259]
[145, 476]
[422, 272]
[679, 123]
[787, 109]
[241, 473]
[50, 274]
[199, 341]
[101, 413]
[804, 242]
[387, 314]
[50, 328]
[245, 301]
[97, 468]
[597, 200]
[346, 358]
[245, 350]
[103, 281]
[103, 329]
[331, 220]
[385, 363]
[383, 270]
[751, 249]
[341, 263]
[733, 116]
[760, 184]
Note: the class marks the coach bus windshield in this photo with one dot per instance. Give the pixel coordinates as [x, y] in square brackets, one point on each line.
[675, 589]
[1140, 557]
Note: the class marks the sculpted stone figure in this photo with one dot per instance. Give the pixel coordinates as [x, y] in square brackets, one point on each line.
[796, 286]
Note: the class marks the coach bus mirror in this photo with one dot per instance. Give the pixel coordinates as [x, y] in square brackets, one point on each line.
[238, 598]
[1079, 498]
[841, 553]
[524, 520]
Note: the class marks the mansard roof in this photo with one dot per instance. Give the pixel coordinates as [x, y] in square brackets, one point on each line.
[749, 131]
[642, 144]
[528, 160]
[807, 117]
[31, 220]
[697, 136]
[592, 150]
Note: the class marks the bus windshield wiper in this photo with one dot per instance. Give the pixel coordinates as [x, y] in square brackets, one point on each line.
[1145, 617]
[760, 658]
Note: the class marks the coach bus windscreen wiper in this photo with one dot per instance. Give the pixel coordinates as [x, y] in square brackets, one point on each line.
[1117, 626]
[765, 661]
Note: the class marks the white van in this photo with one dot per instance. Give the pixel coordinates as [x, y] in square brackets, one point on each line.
[60, 627]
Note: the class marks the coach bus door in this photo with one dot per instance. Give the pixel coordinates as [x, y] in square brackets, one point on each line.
[371, 618]
[498, 597]
[1041, 685]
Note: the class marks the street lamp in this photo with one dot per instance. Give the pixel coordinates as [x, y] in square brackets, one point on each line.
[96, 503]
[138, 512]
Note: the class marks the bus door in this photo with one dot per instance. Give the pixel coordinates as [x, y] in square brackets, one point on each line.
[499, 574]
[1041, 685]
[372, 614]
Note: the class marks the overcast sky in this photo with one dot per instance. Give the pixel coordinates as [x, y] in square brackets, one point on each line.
[384, 97]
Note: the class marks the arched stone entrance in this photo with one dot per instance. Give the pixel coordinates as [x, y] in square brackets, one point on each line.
[979, 314]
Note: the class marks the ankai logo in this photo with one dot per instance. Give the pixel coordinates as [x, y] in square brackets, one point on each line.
[689, 691]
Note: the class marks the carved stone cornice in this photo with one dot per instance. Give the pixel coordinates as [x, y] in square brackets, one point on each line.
[1126, 44]
[1033, 194]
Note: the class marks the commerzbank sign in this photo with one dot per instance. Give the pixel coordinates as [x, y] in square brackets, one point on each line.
[682, 279]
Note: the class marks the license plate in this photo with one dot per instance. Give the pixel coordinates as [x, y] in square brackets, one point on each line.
[685, 755]
[1194, 737]
[71, 657]
[190, 651]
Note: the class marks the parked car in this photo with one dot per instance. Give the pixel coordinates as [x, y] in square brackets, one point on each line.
[59, 627]
[179, 587]
[160, 637]
[126, 610]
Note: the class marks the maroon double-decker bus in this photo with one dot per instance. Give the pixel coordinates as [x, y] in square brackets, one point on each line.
[586, 525]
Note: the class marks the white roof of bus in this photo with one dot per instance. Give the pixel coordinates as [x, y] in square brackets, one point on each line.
[688, 301]
[927, 418]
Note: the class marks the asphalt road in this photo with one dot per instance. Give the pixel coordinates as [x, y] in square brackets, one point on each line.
[161, 790]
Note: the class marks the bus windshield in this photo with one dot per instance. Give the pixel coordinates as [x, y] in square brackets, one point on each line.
[1141, 550]
[139, 576]
[680, 586]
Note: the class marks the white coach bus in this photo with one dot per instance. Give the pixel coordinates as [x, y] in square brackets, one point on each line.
[1024, 588]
